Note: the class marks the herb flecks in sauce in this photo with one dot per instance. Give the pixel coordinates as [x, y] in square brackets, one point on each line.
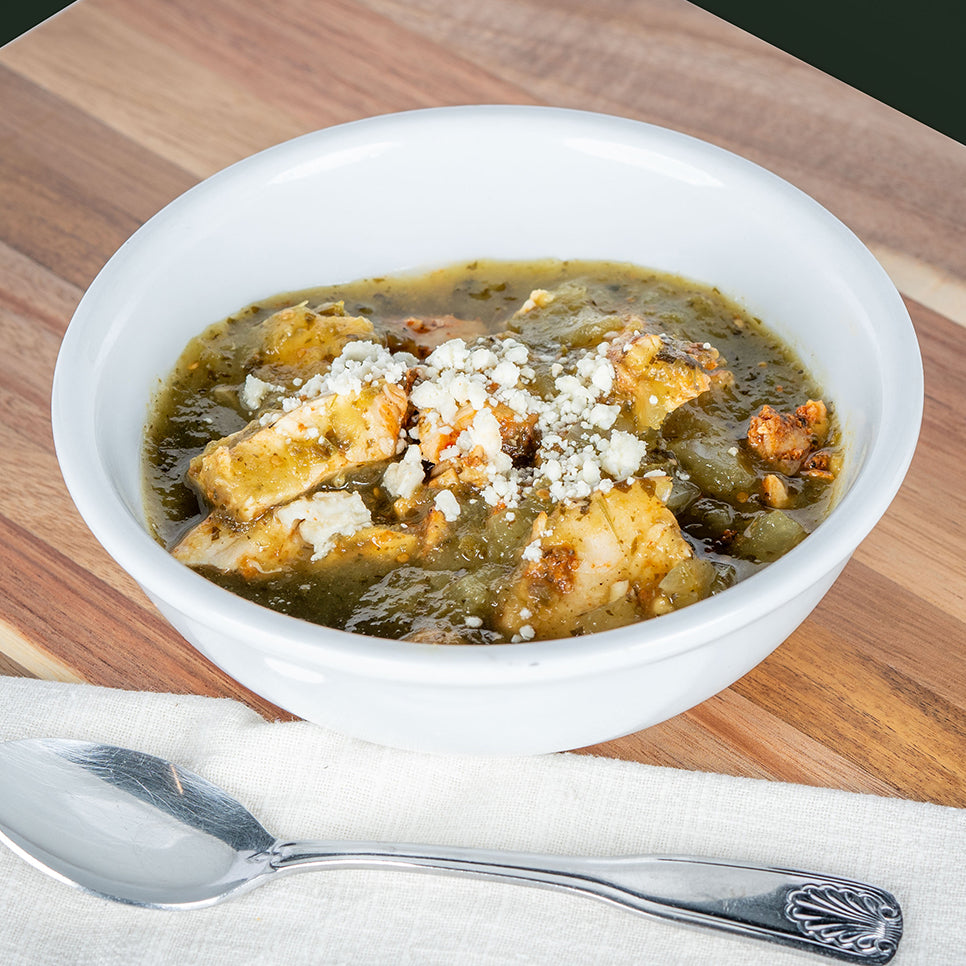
[490, 453]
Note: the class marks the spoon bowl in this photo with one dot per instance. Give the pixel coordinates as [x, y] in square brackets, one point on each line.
[140, 830]
[126, 825]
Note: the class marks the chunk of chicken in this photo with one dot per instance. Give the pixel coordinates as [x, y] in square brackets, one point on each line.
[265, 547]
[435, 530]
[518, 433]
[262, 466]
[478, 439]
[297, 341]
[584, 553]
[539, 298]
[785, 440]
[775, 491]
[327, 529]
[658, 373]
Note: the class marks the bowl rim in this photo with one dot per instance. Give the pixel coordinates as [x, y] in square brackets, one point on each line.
[170, 584]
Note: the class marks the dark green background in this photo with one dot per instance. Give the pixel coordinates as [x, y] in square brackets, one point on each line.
[18, 16]
[910, 55]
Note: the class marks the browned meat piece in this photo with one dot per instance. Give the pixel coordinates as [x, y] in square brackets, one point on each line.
[587, 554]
[262, 466]
[815, 415]
[785, 440]
[420, 335]
[519, 433]
[555, 571]
[659, 373]
[494, 429]
[820, 465]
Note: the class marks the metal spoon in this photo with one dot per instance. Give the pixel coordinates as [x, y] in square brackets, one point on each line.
[137, 829]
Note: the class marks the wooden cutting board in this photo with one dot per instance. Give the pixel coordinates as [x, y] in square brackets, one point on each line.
[116, 106]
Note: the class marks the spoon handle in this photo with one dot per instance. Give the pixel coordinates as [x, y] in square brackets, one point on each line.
[841, 918]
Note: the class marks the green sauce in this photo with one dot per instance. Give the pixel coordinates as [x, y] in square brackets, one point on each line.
[716, 493]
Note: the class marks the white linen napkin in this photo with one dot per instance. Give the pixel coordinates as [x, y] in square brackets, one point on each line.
[303, 781]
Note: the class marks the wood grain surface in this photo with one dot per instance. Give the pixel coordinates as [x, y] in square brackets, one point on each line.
[114, 107]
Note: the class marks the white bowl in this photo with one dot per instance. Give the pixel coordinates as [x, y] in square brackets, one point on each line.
[429, 188]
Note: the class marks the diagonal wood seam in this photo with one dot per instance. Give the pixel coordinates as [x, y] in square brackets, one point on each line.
[932, 287]
[34, 658]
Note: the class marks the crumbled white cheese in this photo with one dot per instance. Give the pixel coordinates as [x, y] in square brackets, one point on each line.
[445, 391]
[515, 352]
[598, 371]
[484, 432]
[365, 362]
[448, 505]
[622, 455]
[505, 373]
[527, 633]
[404, 476]
[590, 472]
[473, 621]
[483, 359]
[603, 416]
[552, 470]
[359, 364]
[255, 390]
[532, 552]
[469, 385]
[519, 400]
[325, 515]
[451, 354]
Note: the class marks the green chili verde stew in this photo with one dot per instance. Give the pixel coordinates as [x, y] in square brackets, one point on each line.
[488, 453]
